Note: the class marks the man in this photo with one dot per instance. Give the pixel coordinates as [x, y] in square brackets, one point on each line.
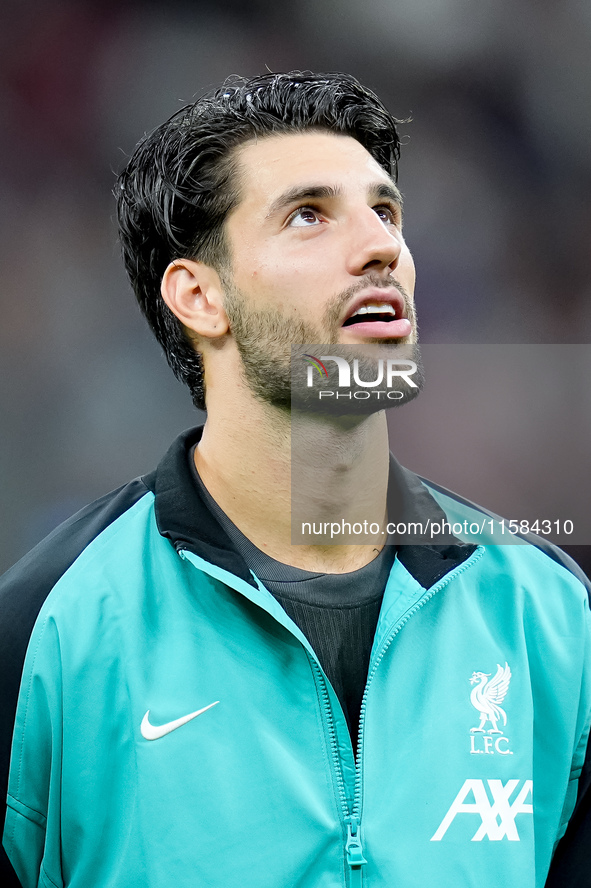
[205, 703]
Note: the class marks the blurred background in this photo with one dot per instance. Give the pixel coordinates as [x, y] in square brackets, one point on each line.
[495, 171]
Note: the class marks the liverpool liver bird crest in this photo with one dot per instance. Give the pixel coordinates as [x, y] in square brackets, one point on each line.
[487, 696]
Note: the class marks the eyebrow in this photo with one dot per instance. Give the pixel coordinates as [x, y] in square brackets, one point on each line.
[300, 193]
[386, 191]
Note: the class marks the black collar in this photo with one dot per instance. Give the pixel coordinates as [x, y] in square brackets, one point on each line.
[184, 517]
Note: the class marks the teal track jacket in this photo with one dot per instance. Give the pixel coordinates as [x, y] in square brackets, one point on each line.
[173, 726]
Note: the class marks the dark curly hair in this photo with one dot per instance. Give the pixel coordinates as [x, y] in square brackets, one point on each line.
[179, 185]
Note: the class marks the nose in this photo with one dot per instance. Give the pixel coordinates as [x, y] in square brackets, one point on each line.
[374, 245]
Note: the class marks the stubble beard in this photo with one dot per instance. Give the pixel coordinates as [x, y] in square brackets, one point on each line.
[265, 339]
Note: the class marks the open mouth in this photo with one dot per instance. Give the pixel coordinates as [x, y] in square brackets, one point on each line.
[378, 316]
[372, 313]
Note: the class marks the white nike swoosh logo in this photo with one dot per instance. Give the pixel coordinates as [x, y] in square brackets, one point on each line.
[154, 732]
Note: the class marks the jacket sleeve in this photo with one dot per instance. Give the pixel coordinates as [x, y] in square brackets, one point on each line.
[34, 787]
[571, 864]
[23, 590]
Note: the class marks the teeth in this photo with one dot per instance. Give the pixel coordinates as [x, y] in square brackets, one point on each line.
[375, 308]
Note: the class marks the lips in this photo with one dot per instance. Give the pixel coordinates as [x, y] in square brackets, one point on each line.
[378, 313]
[372, 312]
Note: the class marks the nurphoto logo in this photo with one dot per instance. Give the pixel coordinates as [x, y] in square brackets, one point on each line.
[355, 378]
[388, 370]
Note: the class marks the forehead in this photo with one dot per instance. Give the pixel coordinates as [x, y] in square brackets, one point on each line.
[270, 166]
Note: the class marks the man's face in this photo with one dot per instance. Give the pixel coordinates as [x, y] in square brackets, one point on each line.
[317, 254]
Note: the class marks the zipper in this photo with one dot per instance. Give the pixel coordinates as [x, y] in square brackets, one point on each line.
[354, 854]
[353, 847]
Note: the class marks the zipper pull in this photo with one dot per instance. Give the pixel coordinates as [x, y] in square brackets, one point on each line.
[353, 848]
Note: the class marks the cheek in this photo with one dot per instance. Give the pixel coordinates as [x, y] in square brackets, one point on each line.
[293, 285]
[281, 281]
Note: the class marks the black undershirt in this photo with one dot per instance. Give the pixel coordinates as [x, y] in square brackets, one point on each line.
[338, 613]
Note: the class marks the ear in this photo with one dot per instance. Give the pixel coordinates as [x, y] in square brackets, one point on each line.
[193, 292]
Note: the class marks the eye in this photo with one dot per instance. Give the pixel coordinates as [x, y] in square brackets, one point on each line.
[390, 215]
[304, 217]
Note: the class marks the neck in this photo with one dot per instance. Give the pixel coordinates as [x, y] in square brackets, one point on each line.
[250, 453]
